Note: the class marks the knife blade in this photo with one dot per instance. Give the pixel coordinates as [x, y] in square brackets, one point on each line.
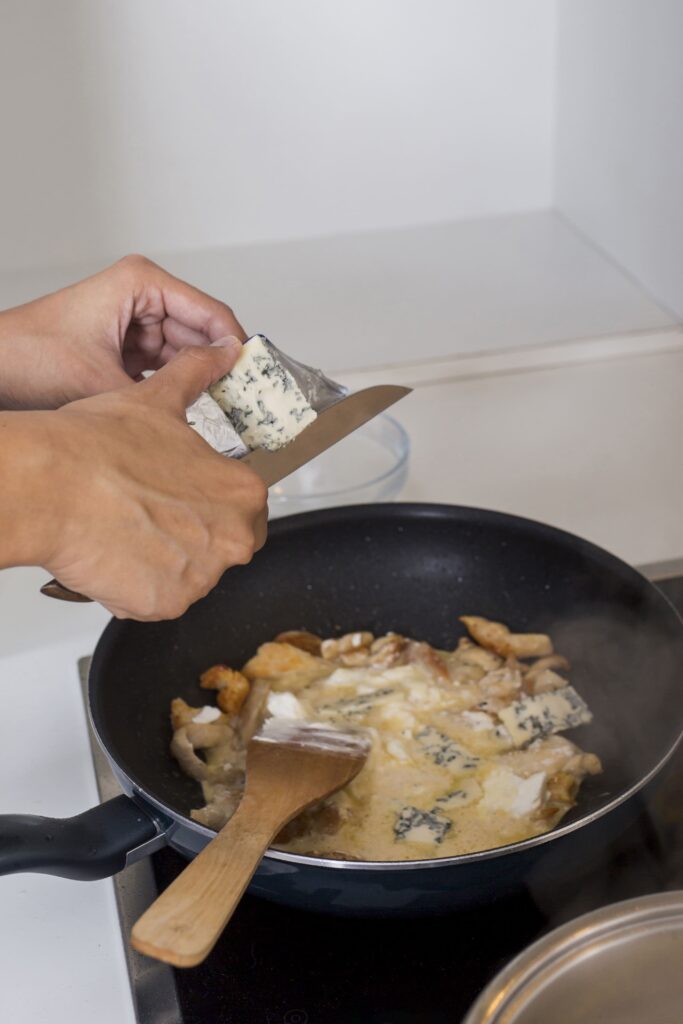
[331, 425]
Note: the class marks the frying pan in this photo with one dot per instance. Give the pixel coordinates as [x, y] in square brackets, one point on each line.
[413, 569]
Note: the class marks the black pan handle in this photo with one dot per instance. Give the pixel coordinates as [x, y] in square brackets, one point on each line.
[95, 844]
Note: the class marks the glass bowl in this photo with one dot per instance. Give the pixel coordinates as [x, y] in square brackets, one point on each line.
[371, 464]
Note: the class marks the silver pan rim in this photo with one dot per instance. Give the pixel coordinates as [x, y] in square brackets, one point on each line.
[431, 863]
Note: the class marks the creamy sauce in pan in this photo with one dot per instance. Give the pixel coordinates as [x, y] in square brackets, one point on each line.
[436, 782]
[446, 775]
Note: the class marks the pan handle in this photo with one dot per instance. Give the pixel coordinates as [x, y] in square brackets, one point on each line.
[95, 844]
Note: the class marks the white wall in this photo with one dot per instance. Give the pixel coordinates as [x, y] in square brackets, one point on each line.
[620, 134]
[176, 124]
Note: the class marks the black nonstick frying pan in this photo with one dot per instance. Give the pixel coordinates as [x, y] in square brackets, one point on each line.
[413, 569]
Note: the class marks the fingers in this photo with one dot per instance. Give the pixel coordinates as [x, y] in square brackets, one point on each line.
[151, 346]
[198, 311]
[108, 377]
[261, 529]
[177, 335]
[178, 384]
[182, 302]
[165, 598]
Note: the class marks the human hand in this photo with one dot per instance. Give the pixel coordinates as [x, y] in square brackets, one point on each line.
[140, 513]
[99, 334]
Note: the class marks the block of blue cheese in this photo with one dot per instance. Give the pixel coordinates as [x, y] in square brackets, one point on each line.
[543, 714]
[261, 398]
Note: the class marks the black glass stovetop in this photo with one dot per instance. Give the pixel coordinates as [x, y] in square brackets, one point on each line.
[275, 965]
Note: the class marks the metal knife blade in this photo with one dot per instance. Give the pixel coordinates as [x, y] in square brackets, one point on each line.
[330, 426]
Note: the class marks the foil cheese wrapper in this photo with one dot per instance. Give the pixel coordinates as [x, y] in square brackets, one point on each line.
[210, 421]
[321, 392]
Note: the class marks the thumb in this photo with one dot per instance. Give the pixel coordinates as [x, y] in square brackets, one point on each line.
[181, 381]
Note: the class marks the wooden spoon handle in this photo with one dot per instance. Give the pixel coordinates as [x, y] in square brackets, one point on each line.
[183, 924]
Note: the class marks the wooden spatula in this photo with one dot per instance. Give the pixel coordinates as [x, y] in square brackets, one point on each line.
[290, 765]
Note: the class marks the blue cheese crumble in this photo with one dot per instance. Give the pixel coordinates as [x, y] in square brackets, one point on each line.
[359, 705]
[446, 752]
[416, 826]
[468, 792]
[544, 714]
[261, 399]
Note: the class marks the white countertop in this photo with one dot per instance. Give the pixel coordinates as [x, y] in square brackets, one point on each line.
[61, 954]
[592, 447]
[380, 297]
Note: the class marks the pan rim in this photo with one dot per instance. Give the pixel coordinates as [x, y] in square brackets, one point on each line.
[307, 860]
[395, 510]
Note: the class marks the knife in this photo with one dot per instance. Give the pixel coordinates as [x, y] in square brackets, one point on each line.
[330, 426]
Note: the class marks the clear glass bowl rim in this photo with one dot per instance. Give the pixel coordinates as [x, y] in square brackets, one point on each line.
[403, 445]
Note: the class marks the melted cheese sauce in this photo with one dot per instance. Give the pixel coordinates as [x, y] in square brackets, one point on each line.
[443, 777]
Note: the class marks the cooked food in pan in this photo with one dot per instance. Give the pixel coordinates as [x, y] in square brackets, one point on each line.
[467, 753]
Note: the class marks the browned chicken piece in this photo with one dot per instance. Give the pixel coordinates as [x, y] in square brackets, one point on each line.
[232, 696]
[529, 645]
[273, 660]
[228, 750]
[584, 764]
[388, 651]
[512, 663]
[217, 736]
[471, 654]
[226, 768]
[562, 787]
[186, 756]
[423, 654]
[336, 648]
[232, 686]
[388, 640]
[462, 674]
[496, 637]
[182, 713]
[300, 638]
[253, 710]
[219, 809]
[560, 793]
[556, 662]
[503, 684]
[218, 677]
[543, 681]
[203, 735]
[551, 754]
[550, 813]
[215, 677]
[493, 636]
[354, 659]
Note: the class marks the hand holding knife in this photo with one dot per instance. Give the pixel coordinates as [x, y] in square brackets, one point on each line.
[331, 425]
